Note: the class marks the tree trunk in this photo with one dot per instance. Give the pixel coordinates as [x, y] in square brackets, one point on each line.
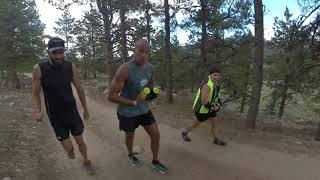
[16, 79]
[105, 7]
[243, 103]
[6, 82]
[2, 74]
[162, 84]
[192, 80]
[168, 53]
[257, 66]
[123, 28]
[148, 17]
[94, 74]
[273, 101]
[204, 36]
[284, 95]
[67, 39]
[93, 53]
[111, 70]
[85, 75]
[217, 49]
[67, 42]
[85, 61]
[317, 138]
[244, 97]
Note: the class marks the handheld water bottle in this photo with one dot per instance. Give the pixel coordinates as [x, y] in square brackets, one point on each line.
[155, 90]
[144, 93]
[153, 94]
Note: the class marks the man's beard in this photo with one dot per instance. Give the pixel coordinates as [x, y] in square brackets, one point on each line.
[57, 63]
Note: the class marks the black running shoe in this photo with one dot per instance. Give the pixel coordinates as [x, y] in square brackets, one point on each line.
[159, 167]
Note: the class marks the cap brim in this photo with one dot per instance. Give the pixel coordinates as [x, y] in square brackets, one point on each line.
[55, 48]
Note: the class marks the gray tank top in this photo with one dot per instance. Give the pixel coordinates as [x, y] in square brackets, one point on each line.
[138, 78]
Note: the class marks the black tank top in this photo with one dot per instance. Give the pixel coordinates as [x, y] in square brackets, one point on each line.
[57, 90]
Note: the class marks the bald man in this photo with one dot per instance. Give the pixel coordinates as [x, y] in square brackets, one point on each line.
[130, 79]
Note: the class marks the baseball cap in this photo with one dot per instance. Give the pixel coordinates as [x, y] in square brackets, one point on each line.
[55, 43]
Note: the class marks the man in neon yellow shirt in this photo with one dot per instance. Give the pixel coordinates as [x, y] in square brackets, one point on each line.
[206, 104]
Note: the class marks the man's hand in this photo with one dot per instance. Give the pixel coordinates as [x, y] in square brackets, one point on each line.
[215, 108]
[86, 114]
[140, 100]
[38, 116]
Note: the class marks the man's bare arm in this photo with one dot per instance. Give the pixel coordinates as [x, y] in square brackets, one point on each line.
[80, 91]
[116, 86]
[204, 94]
[36, 87]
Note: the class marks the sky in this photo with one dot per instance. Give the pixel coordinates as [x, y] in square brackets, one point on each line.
[273, 8]
[276, 8]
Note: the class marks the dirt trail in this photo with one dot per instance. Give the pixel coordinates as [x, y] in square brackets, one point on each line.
[199, 159]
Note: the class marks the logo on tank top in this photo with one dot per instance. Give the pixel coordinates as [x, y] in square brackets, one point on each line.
[143, 82]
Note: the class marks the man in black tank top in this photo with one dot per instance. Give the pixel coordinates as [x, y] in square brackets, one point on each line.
[55, 77]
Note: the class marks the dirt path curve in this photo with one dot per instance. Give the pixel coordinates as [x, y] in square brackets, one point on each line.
[199, 159]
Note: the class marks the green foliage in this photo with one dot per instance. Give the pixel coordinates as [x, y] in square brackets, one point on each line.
[65, 26]
[237, 72]
[292, 55]
[89, 47]
[21, 35]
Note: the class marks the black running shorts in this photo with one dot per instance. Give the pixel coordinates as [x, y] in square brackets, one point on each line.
[204, 117]
[65, 123]
[129, 124]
